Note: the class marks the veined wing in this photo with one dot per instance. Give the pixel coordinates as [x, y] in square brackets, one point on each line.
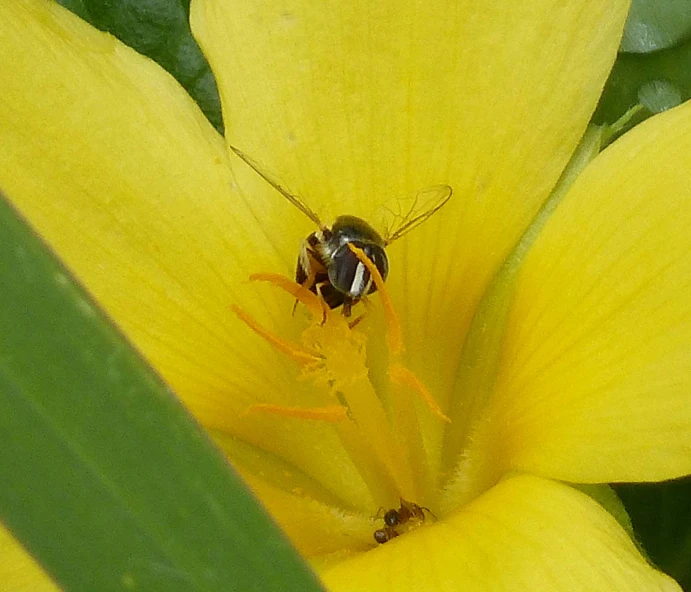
[294, 199]
[408, 214]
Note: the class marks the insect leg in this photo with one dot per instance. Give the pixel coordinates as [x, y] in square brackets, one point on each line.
[325, 305]
[306, 270]
[347, 306]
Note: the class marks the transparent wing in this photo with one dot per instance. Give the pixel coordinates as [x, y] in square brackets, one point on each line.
[407, 214]
[294, 199]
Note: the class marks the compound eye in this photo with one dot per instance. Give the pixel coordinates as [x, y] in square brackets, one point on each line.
[378, 256]
[391, 518]
[347, 273]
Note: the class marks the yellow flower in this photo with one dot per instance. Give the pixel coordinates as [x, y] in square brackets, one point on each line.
[565, 363]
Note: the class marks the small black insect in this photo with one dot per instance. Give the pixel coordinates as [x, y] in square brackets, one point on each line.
[327, 266]
[408, 512]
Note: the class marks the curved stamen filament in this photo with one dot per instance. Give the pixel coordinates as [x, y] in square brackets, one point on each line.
[301, 294]
[401, 376]
[286, 347]
[330, 413]
[394, 333]
[398, 373]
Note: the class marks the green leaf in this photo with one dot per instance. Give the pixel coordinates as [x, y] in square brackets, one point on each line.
[106, 478]
[160, 30]
[658, 81]
[653, 25]
[661, 517]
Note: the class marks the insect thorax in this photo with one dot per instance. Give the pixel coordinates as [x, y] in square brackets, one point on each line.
[335, 271]
[347, 228]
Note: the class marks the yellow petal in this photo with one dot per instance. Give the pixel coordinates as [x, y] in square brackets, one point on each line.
[353, 105]
[595, 377]
[316, 529]
[117, 168]
[524, 534]
[19, 572]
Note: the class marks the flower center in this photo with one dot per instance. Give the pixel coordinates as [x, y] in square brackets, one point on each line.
[377, 426]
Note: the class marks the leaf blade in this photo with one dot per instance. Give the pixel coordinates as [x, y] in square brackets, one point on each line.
[106, 478]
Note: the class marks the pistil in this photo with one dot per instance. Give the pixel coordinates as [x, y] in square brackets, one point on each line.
[387, 449]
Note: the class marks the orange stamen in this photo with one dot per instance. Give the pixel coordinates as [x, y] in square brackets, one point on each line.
[330, 413]
[293, 351]
[306, 285]
[394, 333]
[398, 373]
[402, 376]
[310, 300]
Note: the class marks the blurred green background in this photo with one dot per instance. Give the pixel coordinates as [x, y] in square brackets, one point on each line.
[653, 69]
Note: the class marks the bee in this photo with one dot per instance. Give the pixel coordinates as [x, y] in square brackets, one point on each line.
[326, 265]
[409, 512]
